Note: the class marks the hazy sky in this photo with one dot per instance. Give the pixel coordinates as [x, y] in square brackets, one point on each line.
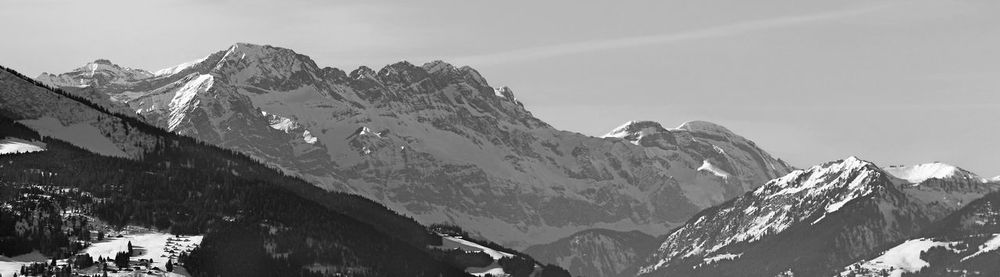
[891, 81]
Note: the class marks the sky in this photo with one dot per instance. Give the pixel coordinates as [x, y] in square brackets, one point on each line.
[890, 81]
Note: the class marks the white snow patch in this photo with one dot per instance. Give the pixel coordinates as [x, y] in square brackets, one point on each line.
[15, 145]
[493, 271]
[722, 257]
[922, 172]
[80, 134]
[365, 131]
[283, 124]
[708, 166]
[308, 137]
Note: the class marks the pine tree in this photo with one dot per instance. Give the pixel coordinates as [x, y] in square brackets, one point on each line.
[130, 253]
[169, 266]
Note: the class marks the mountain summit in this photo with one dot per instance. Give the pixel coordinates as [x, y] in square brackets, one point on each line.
[100, 72]
[439, 143]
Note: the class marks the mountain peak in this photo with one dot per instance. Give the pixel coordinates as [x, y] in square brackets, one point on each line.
[97, 72]
[402, 72]
[700, 126]
[267, 67]
[103, 61]
[245, 46]
[473, 75]
[437, 66]
[635, 129]
[251, 50]
[846, 166]
[362, 72]
[852, 163]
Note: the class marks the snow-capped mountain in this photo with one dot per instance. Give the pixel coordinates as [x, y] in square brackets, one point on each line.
[100, 72]
[597, 252]
[439, 143]
[812, 222]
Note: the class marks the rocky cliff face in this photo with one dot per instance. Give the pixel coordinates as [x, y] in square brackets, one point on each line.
[439, 143]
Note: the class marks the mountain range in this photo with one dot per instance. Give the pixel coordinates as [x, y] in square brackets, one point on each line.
[435, 142]
[438, 143]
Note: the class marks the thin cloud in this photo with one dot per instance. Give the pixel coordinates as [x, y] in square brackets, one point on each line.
[535, 53]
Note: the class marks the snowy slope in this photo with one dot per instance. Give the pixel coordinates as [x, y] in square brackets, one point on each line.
[437, 142]
[152, 245]
[15, 145]
[10, 265]
[923, 172]
[903, 258]
[178, 68]
[458, 242]
[801, 197]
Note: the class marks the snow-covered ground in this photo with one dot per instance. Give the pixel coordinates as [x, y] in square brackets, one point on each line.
[8, 266]
[153, 245]
[458, 242]
[904, 257]
[15, 145]
[147, 245]
[494, 269]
